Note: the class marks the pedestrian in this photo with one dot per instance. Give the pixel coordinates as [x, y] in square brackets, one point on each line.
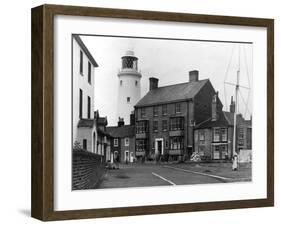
[235, 162]
[117, 161]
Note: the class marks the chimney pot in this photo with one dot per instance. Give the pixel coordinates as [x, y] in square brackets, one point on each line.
[193, 76]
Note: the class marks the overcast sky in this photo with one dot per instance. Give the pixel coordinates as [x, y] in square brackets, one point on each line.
[170, 61]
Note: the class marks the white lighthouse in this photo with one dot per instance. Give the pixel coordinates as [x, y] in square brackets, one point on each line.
[129, 88]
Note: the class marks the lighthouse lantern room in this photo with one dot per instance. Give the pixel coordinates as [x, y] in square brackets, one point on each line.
[129, 88]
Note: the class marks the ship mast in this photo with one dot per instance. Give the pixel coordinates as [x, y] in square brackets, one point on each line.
[236, 106]
[237, 90]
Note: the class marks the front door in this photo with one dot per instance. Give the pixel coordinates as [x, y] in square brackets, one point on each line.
[159, 147]
[126, 156]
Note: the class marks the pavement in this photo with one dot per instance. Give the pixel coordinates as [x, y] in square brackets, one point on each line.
[143, 175]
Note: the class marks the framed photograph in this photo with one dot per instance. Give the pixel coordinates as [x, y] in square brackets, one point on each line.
[142, 112]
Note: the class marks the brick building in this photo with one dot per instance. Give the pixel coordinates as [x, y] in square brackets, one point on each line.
[123, 141]
[213, 138]
[244, 128]
[166, 116]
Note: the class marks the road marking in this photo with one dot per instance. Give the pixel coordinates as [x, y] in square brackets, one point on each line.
[203, 174]
[163, 178]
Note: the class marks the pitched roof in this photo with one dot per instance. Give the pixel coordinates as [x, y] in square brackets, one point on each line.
[85, 49]
[103, 133]
[121, 132]
[172, 93]
[220, 122]
[89, 123]
[240, 120]
[102, 121]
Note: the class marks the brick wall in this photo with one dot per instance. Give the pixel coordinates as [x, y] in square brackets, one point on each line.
[87, 170]
[203, 103]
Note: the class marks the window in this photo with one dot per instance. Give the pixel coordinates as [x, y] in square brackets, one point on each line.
[178, 108]
[220, 152]
[121, 82]
[141, 127]
[223, 150]
[80, 103]
[85, 144]
[216, 152]
[216, 134]
[223, 134]
[127, 141]
[115, 142]
[142, 112]
[89, 107]
[202, 135]
[164, 125]
[176, 123]
[240, 136]
[81, 62]
[155, 126]
[141, 145]
[128, 99]
[155, 111]
[176, 143]
[249, 138]
[89, 73]
[136, 83]
[164, 109]
[241, 133]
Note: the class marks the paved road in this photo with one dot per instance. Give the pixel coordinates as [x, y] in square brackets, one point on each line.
[152, 175]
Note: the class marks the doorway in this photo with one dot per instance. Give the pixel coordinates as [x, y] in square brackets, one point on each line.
[159, 146]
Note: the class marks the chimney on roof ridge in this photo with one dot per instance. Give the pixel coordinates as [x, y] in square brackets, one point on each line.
[132, 118]
[153, 83]
[215, 107]
[232, 105]
[193, 76]
[120, 122]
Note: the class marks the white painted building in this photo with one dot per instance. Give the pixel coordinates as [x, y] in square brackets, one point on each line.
[83, 72]
[129, 87]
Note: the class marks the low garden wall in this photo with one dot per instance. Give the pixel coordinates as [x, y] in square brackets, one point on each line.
[87, 170]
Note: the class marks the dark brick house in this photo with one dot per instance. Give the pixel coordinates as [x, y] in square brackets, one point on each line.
[213, 138]
[244, 128]
[166, 116]
[123, 137]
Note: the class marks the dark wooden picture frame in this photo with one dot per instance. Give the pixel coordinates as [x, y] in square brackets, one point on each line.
[43, 112]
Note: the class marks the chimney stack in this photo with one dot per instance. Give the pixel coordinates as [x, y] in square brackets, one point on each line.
[193, 76]
[120, 122]
[132, 118]
[232, 105]
[215, 106]
[153, 83]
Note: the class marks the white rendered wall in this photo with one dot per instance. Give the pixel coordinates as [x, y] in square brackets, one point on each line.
[127, 89]
[81, 82]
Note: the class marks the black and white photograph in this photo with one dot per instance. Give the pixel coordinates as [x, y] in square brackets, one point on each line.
[160, 112]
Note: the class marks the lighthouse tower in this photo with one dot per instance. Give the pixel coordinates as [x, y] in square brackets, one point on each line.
[129, 89]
